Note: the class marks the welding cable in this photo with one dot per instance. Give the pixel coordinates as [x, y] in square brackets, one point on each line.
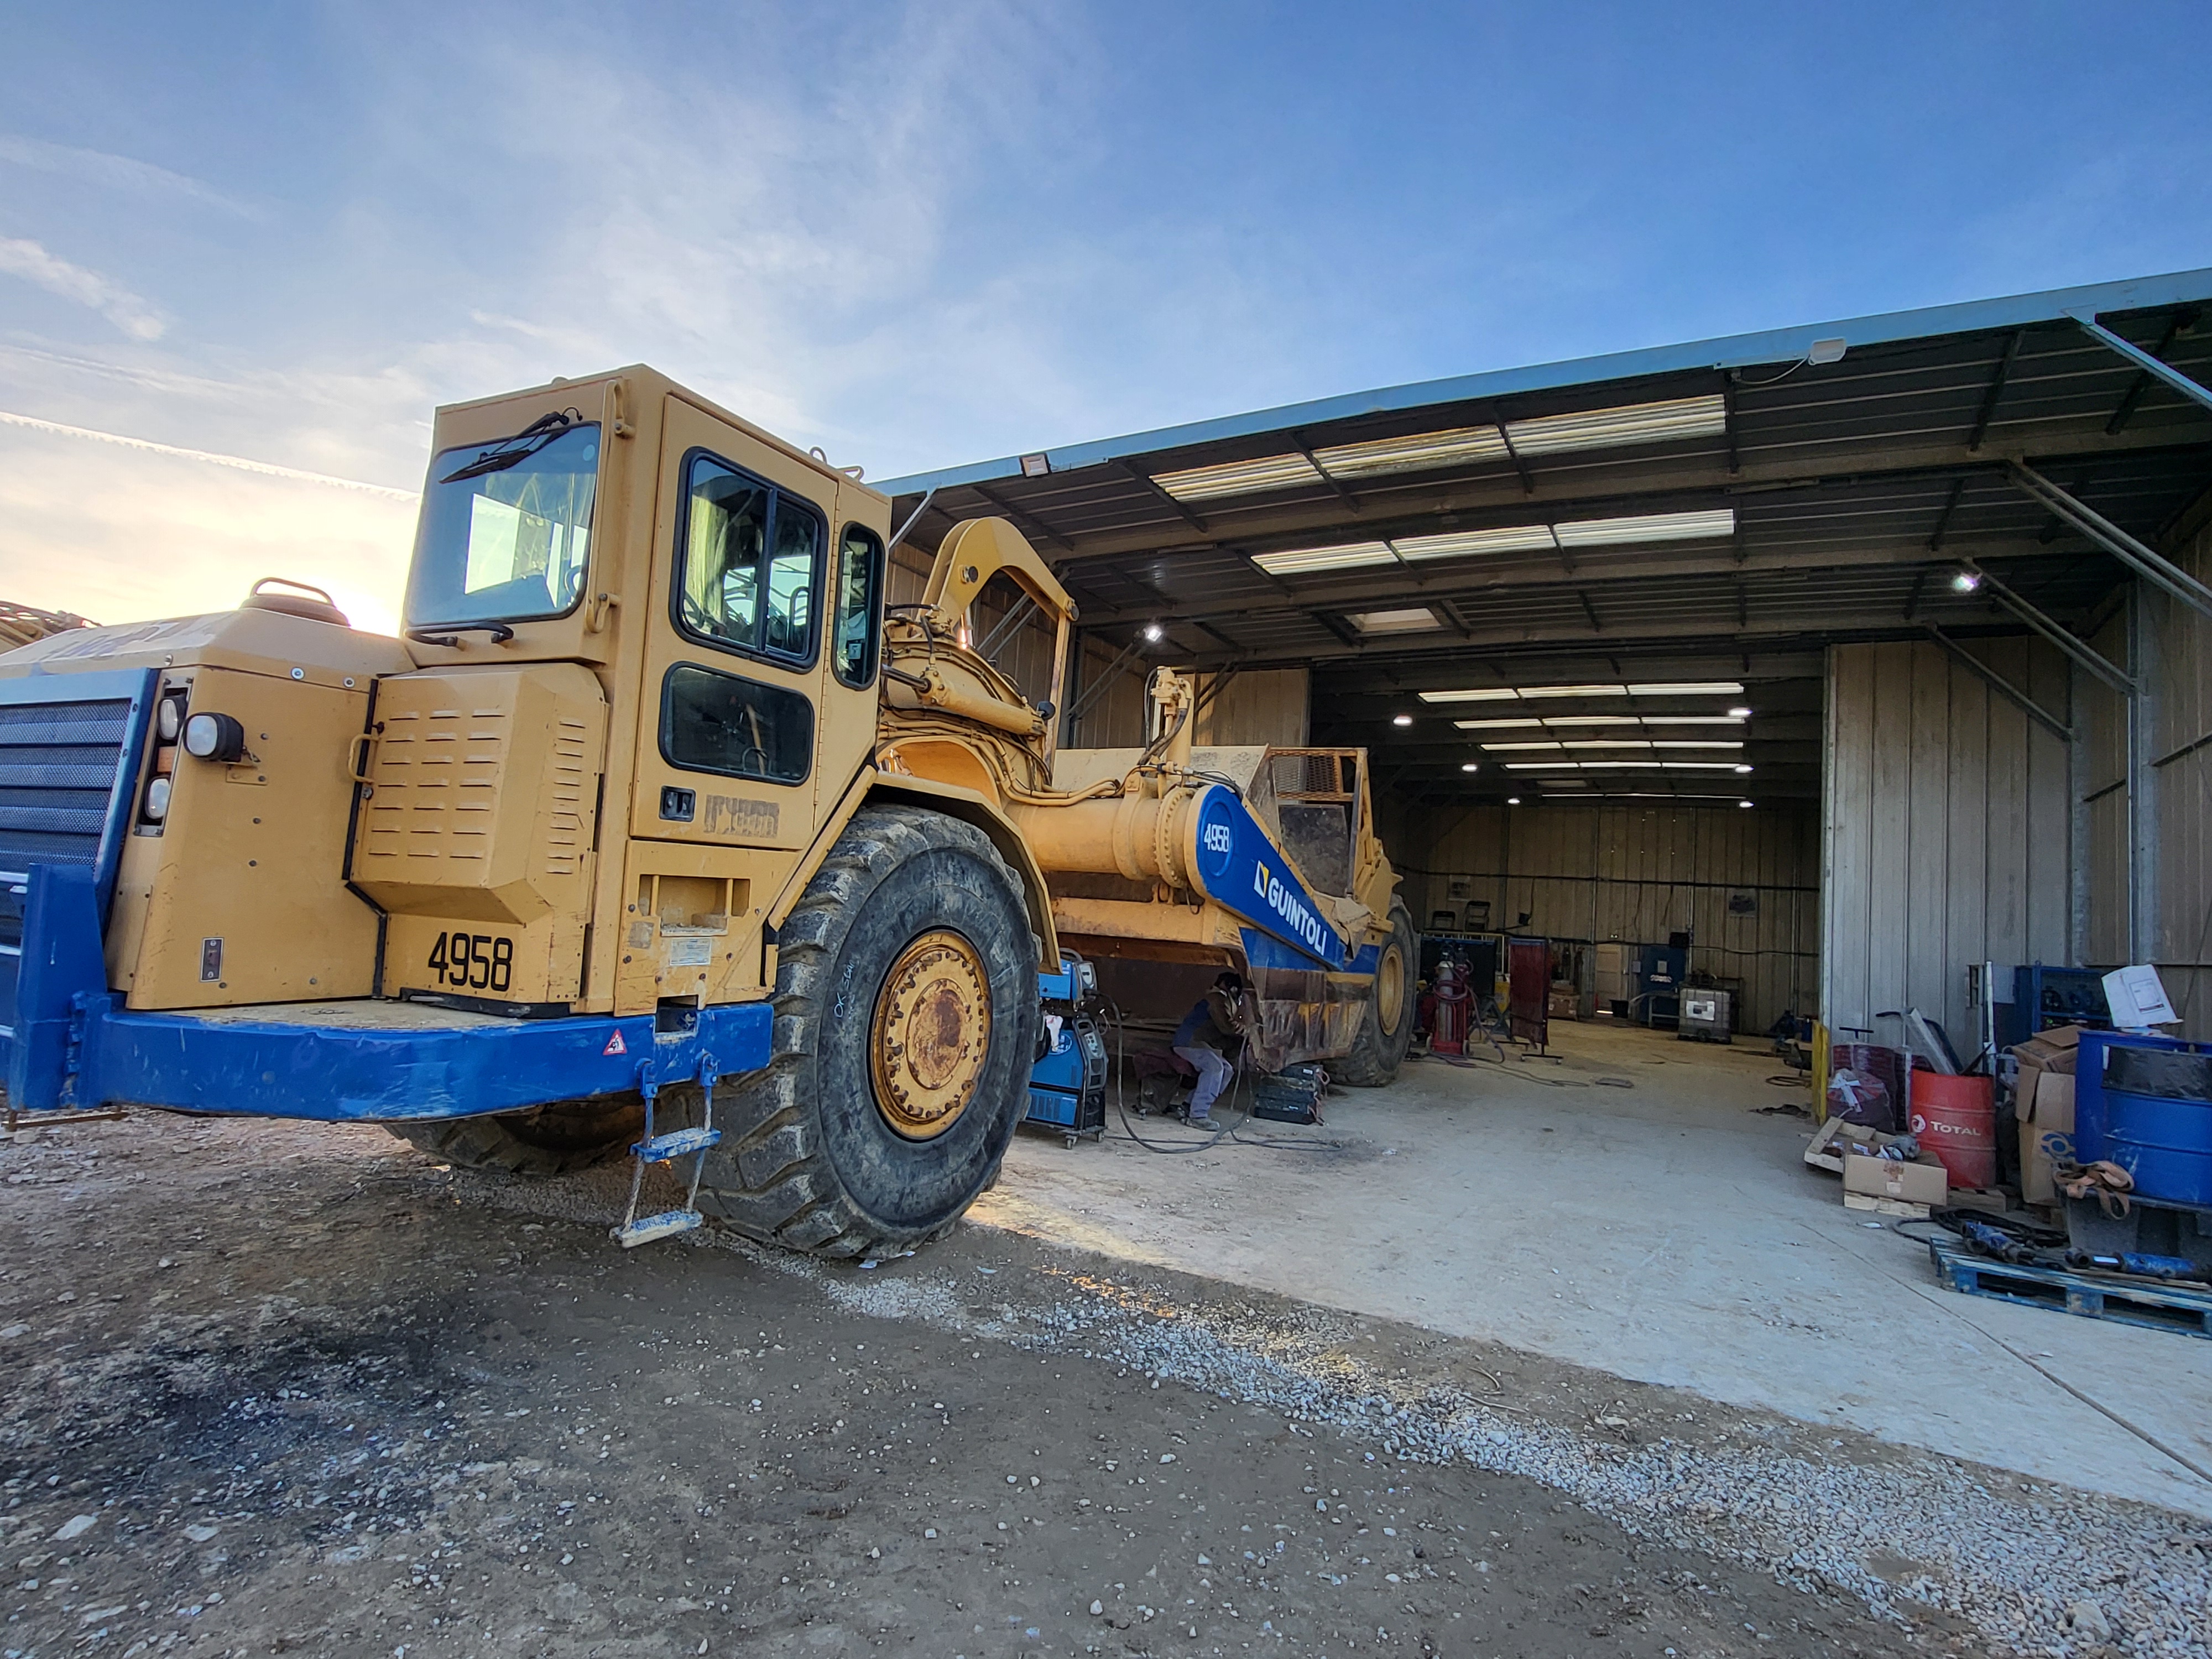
[1165, 1148]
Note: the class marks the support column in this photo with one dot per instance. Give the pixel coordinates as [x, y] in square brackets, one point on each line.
[2143, 778]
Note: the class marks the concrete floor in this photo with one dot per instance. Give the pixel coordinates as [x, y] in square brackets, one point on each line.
[1664, 1232]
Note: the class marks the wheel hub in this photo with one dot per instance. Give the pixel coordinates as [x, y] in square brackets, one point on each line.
[930, 1034]
[1391, 989]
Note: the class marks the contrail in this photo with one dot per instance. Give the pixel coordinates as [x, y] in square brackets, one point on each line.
[240, 462]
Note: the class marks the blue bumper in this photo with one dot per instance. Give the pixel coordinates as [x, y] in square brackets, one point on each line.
[73, 1046]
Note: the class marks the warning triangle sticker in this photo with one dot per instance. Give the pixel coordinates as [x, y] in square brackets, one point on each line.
[616, 1045]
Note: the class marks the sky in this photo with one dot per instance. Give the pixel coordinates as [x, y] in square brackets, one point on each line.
[245, 250]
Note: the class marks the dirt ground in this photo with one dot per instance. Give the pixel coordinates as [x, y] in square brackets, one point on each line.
[277, 1388]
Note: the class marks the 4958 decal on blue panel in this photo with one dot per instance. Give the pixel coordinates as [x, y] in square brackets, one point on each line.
[1239, 869]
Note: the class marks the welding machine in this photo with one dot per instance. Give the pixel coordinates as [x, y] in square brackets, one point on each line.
[1067, 1085]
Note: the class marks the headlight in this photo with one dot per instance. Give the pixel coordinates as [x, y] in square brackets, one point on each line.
[169, 720]
[214, 737]
[157, 800]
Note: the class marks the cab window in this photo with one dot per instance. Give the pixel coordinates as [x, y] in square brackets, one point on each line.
[860, 587]
[751, 559]
[712, 722]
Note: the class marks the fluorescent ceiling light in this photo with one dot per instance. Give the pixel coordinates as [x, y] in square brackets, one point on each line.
[1611, 742]
[1508, 748]
[1513, 539]
[1419, 619]
[1557, 722]
[1655, 688]
[1702, 416]
[1420, 453]
[1618, 765]
[1206, 483]
[1684, 743]
[1649, 527]
[1347, 558]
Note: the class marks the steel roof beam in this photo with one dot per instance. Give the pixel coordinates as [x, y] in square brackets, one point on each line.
[2144, 560]
[2052, 630]
[1997, 390]
[2143, 360]
[2003, 686]
[1173, 506]
[1031, 527]
[1472, 587]
[2141, 384]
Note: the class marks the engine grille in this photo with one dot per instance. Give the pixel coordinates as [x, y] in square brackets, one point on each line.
[69, 749]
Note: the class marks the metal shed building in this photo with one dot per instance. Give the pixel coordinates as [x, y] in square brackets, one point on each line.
[1864, 650]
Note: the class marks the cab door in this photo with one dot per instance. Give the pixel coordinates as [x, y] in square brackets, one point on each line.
[729, 766]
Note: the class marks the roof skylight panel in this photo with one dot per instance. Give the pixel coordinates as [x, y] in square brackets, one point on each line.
[1348, 556]
[1422, 451]
[1206, 483]
[1459, 544]
[1418, 619]
[1702, 416]
[1713, 525]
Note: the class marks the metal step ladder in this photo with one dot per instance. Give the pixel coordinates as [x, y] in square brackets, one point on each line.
[636, 1229]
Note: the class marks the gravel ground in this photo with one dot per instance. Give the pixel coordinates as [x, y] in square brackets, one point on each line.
[278, 1388]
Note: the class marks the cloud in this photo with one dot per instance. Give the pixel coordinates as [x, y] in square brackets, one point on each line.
[125, 532]
[115, 172]
[242, 463]
[26, 259]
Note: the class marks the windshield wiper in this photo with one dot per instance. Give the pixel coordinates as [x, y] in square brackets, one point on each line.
[512, 451]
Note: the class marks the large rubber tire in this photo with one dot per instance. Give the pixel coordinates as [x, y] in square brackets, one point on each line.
[808, 1158]
[545, 1141]
[1385, 1032]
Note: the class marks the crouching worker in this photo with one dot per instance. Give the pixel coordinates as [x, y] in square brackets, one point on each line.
[1217, 1021]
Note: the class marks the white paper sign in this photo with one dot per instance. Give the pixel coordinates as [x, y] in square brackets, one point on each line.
[2137, 997]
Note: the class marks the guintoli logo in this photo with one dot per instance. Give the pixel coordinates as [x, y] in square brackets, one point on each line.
[1284, 901]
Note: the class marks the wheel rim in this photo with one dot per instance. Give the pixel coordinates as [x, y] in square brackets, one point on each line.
[1390, 990]
[930, 1034]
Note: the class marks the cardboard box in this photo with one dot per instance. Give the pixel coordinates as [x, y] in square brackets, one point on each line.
[2046, 1135]
[2054, 1050]
[1827, 1149]
[1922, 1182]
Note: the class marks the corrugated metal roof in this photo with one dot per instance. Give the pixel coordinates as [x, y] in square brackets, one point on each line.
[1726, 497]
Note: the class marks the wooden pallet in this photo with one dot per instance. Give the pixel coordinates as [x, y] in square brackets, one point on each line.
[2142, 1302]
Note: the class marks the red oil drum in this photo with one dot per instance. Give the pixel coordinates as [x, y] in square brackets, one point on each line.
[1955, 1118]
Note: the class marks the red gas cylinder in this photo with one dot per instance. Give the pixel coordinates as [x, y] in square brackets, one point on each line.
[1955, 1118]
[1448, 1032]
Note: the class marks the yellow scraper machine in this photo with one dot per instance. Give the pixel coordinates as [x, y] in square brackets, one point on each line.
[658, 834]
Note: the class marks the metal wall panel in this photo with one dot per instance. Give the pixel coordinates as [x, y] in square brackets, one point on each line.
[1634, 872]
[1945, 826]
[2182, 652]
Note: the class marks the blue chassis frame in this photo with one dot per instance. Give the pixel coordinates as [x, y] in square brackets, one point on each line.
[75, 1047]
